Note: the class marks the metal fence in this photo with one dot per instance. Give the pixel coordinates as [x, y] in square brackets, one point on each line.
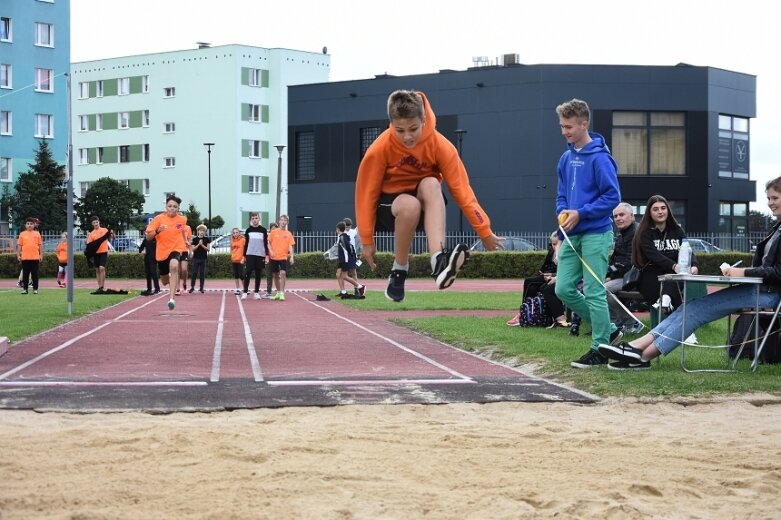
[311, 241]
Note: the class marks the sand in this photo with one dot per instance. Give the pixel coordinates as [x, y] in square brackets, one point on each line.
[615, 459]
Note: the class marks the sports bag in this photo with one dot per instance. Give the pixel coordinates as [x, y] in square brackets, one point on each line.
[534, 312]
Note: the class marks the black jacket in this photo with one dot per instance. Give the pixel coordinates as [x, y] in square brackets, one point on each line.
[621, 260]
[769, 269]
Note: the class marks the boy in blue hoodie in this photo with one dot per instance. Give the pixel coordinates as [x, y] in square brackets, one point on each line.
[587, 193]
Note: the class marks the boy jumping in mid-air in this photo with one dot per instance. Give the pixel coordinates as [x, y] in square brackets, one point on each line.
[399, 188]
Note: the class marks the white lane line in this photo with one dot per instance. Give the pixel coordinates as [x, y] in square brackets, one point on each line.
[70, 342]
[389, 340]
[253, 356]
[103, 383]
[218, 343]
[347, 382]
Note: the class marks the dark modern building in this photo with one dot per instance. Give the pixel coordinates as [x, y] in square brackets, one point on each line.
[681, 131]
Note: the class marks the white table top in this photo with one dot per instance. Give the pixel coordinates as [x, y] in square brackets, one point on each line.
[707, 278]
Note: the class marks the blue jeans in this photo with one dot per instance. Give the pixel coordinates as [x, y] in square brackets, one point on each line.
[591, 304]
[668, 334]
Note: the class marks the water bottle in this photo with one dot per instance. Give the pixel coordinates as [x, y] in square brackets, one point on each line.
[684, 257]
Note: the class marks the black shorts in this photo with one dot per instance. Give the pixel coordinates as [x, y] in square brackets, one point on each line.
[385, 219]
[100, 260]
[184, 257]
[164, 267]
[347, 266]
[276, 266]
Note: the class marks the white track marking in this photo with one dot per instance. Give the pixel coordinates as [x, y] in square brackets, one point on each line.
[347, 382]
[103, 383]
[218, 343]
[253, 356]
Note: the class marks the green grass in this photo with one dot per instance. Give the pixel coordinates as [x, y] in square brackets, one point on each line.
[26, 315]
[552, 350]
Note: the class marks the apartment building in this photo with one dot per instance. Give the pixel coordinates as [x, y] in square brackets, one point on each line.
[202, 123]
[34, 62]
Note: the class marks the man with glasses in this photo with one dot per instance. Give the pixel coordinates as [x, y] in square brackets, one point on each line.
[620, 262]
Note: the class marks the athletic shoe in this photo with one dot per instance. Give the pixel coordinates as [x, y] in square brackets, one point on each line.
[243, 296]
[60, 283]
[623, 365]
[266, 295]
[192, 290]
[157, 291]
[616, 337]
[395, 289]
[622, 352]
[19, 284]
[171, 304]
[590, 359]
[35, 291]
[25, 292]
[237, 292]
[361, 290]
[202, 291]
[515, 321]
[281, 296]
[559, 324]
[145, 293]
[449, 262]
[256, 296]
[178, 292]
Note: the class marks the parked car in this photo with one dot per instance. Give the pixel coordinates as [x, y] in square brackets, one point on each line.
[515, 244]
[221, 244]
[701, 246]
[126, 244]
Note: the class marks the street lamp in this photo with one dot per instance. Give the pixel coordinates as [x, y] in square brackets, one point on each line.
[279, 148]
[209, 152]
[460, 133]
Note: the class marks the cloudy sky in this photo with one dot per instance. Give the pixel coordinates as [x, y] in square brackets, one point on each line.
[366, 37]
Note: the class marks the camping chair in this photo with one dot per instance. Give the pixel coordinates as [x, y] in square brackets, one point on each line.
[773, 313]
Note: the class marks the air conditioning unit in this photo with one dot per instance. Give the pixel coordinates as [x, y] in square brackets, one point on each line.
[511, 59]
[480, 61]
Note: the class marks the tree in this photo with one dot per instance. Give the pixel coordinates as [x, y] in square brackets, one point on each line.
[193, 216]
[760, 222]
[216, 223]
[39, 192]
[117, 206]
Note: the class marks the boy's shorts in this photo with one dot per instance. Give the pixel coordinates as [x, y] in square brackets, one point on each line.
[276, 266]
[385, 219]
[347, 266]
[184, 256]
[100, 259]
[238, 270]
[164, 267]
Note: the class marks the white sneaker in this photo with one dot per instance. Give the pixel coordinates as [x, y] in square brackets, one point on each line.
[256, 296]
[237, 292]
[243, 296]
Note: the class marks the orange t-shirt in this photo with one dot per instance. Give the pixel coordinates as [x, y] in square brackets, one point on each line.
[30, 245]
[62, 252]
[96, 234]
[171, 238]
[280, 241]
[237, 249]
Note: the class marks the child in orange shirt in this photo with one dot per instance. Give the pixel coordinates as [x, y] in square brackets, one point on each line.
[237, 257]
[30, 254]
[281, 242]
[62, 258]
[169, 230]
[399, 189]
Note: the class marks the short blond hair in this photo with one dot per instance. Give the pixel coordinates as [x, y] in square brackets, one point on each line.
[574, 108]
[201, 226]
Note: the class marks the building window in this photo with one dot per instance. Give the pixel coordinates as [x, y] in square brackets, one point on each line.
[145, 118]
[145, 152]
[254, 149]
[44, 125]
[146, 187]
[98, 121]
[170, 162]
[6, 169]
[169, 92]
[733, 221]
[6, 30]
[254, 77]
[84, 188]
[124, 153]
[145, 84]
[305, 156]
[6, 122]
[254, 113]
[83, 90]
[99, 88]
[6, 78]
[255, 184]
[124, 86]
[124, 120]
[99, 159]
[83, 123]
[83, 156]
[169, 128]
[44, 34]
[43, 80]
[649, 143]
[733, 151]
[368, 135]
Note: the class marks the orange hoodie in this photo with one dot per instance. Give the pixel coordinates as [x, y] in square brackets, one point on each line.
[390, 167]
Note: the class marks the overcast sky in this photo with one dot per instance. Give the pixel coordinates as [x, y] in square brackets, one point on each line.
[366, 37]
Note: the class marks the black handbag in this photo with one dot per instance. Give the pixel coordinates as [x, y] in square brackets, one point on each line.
[632, 279]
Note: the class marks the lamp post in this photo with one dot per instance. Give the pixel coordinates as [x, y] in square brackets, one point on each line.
[209, 152]
[460, 133]
[279, 148]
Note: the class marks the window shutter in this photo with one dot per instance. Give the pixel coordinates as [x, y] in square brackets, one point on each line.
[264, 113]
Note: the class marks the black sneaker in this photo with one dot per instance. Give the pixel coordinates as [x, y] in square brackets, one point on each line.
[622, 352]
[448, 264]
[395, 289]
[25, 292]
[146, 293]
[616, 337]
[192, 290]
[590, 359]
[623, 365]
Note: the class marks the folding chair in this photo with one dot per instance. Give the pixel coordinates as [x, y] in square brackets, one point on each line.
[768, 332]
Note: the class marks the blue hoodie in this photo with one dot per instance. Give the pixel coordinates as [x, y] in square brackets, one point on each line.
[588, 183]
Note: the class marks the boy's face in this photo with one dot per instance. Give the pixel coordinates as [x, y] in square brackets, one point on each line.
[283, 222]
[201, 233]
[254, 220]
[408, 131]
[95, 224]
[574, 130]
[29, 226]
[64, 236]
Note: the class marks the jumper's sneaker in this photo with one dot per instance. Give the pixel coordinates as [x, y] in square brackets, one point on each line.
[515, 321]
[243, 296]
[395, 289]
[266, 295]
[623, 365]
[256, 296]
[622, 352]
[590, 359]
[449, 262]
[171, 304]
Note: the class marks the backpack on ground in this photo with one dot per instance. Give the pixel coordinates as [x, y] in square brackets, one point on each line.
[534, 312]
[743, 331]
